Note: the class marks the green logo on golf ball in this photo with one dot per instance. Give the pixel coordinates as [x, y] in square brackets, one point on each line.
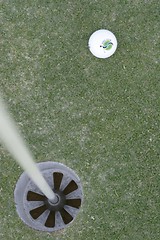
[106, 44]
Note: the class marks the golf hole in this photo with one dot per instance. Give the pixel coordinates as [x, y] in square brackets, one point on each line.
[39, 212]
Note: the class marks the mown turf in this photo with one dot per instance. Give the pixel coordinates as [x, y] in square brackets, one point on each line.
[99, 117]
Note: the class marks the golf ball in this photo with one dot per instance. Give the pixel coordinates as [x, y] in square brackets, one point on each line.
[102, 43]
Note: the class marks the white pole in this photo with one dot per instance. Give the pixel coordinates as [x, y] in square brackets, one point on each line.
[15, 144]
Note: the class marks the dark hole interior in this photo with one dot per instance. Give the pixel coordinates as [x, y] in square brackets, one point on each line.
[72, 186]
[67, 218]
[50, 222]
[76, 203]
[36, 212]
[33, 196]
[51, 219]
[57, 178]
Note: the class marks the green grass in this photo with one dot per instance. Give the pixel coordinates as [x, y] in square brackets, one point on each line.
[99, 117]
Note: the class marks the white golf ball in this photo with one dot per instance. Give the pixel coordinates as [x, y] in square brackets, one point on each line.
[102, 43]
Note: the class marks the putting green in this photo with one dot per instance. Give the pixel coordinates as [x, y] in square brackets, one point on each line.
[99, 117]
